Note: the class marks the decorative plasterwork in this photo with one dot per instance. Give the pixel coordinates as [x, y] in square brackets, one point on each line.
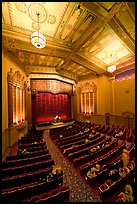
[80, 35]
[49, 15]
[86, 87]
[15, 77]
[71, 23]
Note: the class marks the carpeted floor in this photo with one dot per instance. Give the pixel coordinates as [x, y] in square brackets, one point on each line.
[79, 192]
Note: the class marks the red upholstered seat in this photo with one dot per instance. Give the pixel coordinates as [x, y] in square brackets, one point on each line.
[45, 196]
[64, 192]
[34, 198]
[54, 194]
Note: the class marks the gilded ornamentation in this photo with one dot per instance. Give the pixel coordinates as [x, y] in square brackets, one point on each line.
[71, 23]
[35, 8]
[35, 26]
[21, 6]
[10, 42]
[82, 28]
[51, 19]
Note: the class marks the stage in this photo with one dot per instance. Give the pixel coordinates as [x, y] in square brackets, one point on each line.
[54, 125]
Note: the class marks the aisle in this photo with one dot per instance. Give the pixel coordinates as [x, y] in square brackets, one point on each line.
[79, 192]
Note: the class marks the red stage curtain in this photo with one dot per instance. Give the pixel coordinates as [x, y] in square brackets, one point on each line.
[46, 106]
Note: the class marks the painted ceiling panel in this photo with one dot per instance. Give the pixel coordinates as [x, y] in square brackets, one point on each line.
[6, 13]
[114, 51]
[127, 22]
[83, 27]
[107, 5]
[49, 15]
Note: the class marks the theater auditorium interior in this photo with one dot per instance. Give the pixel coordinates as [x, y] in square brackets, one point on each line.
[68, 101]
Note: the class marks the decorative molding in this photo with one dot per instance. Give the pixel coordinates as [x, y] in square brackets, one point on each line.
[86, 87]
[15, 78]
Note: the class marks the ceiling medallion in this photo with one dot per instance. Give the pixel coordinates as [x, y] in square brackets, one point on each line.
[37, 8]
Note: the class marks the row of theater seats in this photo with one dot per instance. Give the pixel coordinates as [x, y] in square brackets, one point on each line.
[109, 186]
[117, 162]
[28, 177]
[70, 130]
[86, 150]
[102, 159]
[77, 148]
[93, 155]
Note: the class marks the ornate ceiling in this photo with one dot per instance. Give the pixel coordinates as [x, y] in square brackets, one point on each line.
[82, 38]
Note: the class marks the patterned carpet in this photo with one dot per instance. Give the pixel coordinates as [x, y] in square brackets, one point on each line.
[79, 192]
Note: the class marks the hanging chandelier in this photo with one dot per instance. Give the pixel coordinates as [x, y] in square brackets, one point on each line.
[37, 38]
[111, 68]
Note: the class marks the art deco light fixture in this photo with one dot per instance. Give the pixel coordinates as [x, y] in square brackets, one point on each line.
[37, 38]
[111, 68]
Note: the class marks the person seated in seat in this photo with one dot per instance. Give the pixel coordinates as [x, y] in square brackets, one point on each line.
[98, 147]
[93, 149]
[103, 145]
[61, 136]
[106, 144]
[125, 157]
[86, 130]
[91, 173]
[127, 196]
[24, 151]
[87, 141]
[114, 175]
[124, 171]
[118, 134]
[98, 167]
[90, 135]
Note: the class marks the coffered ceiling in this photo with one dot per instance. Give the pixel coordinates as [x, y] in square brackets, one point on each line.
[82, 38]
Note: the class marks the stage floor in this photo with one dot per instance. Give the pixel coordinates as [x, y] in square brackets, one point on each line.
[48, 127]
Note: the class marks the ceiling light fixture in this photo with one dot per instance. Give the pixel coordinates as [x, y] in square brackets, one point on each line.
[37, 38]
[111, 68]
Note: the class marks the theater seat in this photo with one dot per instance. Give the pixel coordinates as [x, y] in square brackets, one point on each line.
[54, 195]
[34, 198]
[64, 192]
[45, 196]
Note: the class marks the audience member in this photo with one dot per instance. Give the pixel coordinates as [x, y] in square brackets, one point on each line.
[123, 171]
[114, 175]
[127, 196]
[125, 157]
[93, 171]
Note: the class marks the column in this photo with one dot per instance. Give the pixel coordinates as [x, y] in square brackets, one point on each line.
[85, 102]
[93, 102]
[14, 104]
[81, 102]
[20, 90]
[89, 103]
[23, 105]
[10, 104]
